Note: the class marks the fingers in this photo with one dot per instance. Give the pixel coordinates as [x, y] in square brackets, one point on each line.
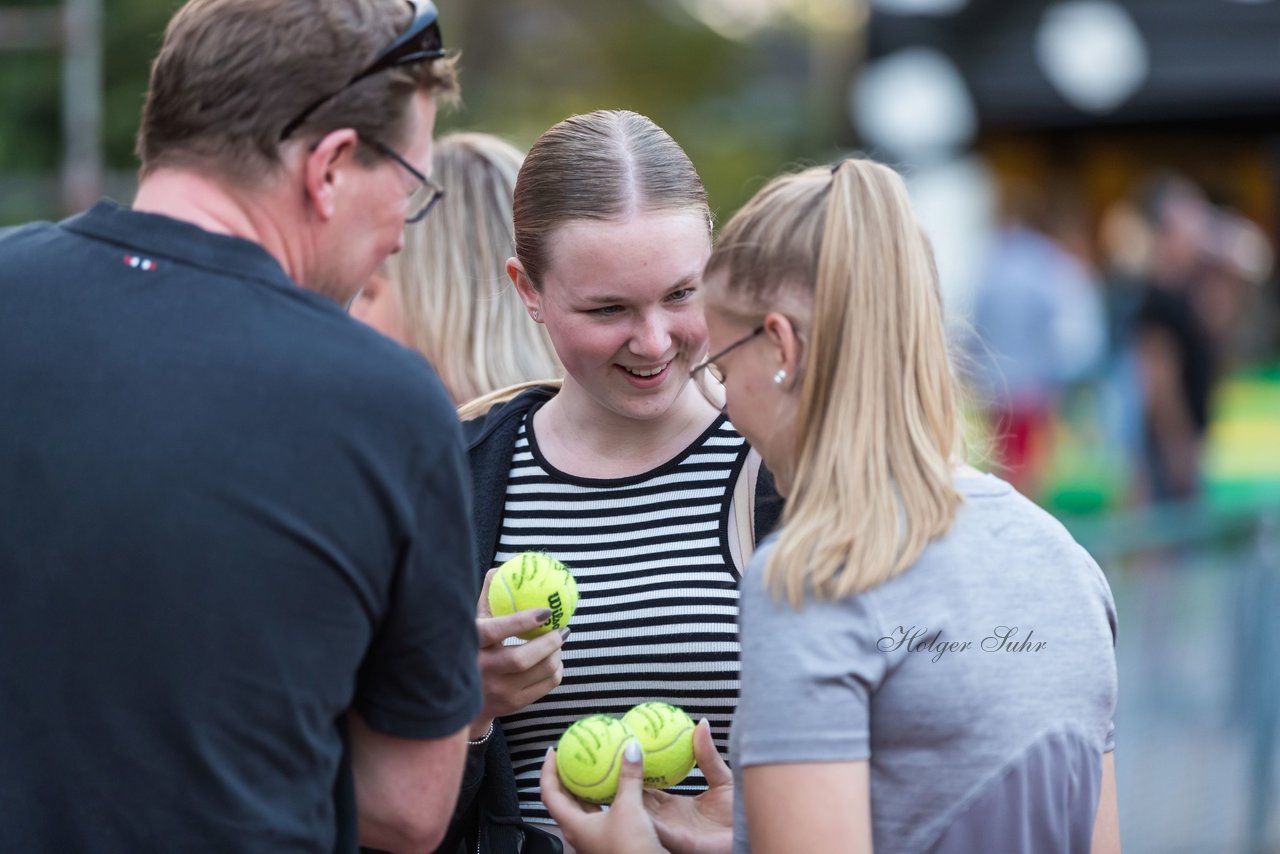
[631, 776]
[517, 658]
[494, 630]
[518, 675]
[564, 808]
[560, 805]
[513, 669]
[517, 689]
[708, 758]
[482, 606]
[656, 799]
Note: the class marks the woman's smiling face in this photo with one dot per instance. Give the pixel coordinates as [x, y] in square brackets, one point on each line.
[620, 301]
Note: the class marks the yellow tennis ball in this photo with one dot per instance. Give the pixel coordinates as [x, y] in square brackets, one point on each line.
[589, 757]
[666, 736]
[534, 580]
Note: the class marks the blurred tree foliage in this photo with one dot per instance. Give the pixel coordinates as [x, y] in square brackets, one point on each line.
[743, 110]
[30, 93]
[31, 96]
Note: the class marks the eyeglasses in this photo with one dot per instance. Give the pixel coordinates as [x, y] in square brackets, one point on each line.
[710, 365]
[427, 193]
[420, 43]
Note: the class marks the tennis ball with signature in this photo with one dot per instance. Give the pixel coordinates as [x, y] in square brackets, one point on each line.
[589, 757]
[666, 736]
[534, 580]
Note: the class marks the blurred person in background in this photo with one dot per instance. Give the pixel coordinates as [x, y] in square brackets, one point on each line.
[624, 471]
[928, 658]
[1175, 352]
[1238, 259]
[1039, 327]
[1124, 249]
[237, 600]
[446, 293]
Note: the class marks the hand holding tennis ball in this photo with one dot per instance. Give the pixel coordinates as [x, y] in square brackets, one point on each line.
[666, 736]
[516, 675]
[703, 822]
[633, 825]
[625, 827]
[534, 580]
[589, 757]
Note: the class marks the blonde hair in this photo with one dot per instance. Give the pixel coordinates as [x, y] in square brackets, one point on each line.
[599, 166]
[459, 308]
[481, 405]
[878, 425]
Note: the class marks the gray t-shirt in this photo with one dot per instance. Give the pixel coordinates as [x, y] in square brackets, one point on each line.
[1000, 636]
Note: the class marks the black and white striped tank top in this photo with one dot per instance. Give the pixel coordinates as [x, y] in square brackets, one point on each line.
[658, 607]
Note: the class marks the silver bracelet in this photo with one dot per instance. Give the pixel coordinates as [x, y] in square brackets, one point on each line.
[482, 739]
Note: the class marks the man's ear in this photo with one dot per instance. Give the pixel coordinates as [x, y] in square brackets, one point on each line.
[787, 346]
[524, 287]
[325, 169]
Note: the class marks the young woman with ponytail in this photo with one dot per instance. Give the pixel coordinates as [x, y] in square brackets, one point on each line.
[927, 657]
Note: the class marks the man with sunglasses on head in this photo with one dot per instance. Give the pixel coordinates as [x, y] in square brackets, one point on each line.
[236, 571]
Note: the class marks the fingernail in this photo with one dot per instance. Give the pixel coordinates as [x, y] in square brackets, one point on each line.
[564, 633]
[550, 750]
[632, 752]
[543, 614]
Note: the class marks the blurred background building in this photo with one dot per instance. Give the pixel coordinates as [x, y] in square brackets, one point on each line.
[1101, 182]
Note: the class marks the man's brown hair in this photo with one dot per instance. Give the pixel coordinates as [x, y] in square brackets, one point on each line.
[232, 74]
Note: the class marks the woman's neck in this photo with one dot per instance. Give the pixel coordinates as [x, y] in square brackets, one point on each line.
[580, 437]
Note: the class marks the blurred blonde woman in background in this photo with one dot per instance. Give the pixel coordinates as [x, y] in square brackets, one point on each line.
[446, 294]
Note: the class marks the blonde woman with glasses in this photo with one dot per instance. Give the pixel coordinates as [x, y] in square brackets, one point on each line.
[446, 293]
[927, 657]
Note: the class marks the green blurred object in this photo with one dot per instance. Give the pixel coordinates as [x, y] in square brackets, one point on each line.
[1084, 475]
[31, 133]
[1242, 452]
[1242, 460]
[1241, 478]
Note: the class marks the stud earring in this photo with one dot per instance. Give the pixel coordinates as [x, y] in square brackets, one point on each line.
[780, 376]
[536, 314]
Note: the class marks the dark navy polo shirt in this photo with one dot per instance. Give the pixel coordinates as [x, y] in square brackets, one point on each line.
[228, 514]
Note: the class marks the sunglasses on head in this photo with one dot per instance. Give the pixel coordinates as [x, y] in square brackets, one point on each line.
[420, 43]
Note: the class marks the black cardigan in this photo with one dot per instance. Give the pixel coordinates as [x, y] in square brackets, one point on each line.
[487, 819]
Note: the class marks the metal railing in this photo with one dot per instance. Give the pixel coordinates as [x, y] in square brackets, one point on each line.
[1250, 533]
